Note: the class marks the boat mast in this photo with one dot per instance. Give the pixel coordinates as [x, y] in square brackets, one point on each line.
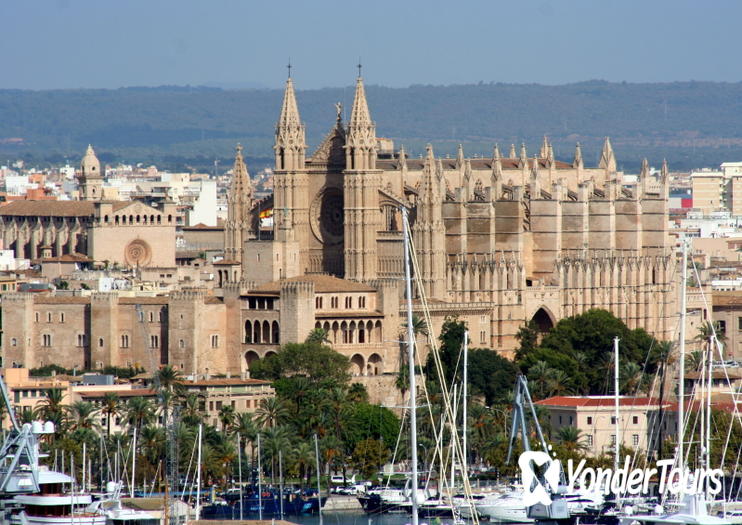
[465, 462]
[260, 485]
[133, 461]
[616, 393]
[709, 383]
[681, 364]
[319, 488]
[198, 473]
[411, 364]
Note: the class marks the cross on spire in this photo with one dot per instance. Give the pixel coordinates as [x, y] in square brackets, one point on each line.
[288, 66]
[360, 66]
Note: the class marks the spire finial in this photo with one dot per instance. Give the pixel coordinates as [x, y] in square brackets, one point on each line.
[239, 148]
[360, 67]
[288, 66]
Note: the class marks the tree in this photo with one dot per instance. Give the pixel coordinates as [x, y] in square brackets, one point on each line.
[490, 375]
[226, 417]
[110, 407]
[52, 409]
[572, 439]
[191, 412]
[271, 412]
[317, 362]
[419, 326]
[318, 336]
[369, 456]
[139, 412]
[528, 337]
[81, 415]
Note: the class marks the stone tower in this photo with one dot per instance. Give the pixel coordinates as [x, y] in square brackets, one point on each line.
[429, 232]
[290, 190]
[361, 184]
[240, 203]
[90, 179]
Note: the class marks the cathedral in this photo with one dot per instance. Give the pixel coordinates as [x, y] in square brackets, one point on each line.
[501, 240]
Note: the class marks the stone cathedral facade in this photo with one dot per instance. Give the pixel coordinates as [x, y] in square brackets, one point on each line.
[500, 241]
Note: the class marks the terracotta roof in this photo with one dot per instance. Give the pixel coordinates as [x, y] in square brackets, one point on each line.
[596, 401]
[226, 262]
[134, 392]
[61, 299]
[322, 284]
[48, 208]
[202, 226]
[67, 257]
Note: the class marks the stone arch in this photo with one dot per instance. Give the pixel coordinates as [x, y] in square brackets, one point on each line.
[362, 332]
[352, 332]
[357, 365]
[544, 319]
[369, 332]
[250, 357]
[256, 332]
[275, 333]
[269, 353]
[379, 332]
[335, 329]
[344, 331]
[248, 332]
[375, 365]
[266, 332]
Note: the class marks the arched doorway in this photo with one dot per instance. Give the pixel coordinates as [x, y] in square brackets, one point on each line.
[250, 357]
[356, 363]
[375, 365]
[543, 319]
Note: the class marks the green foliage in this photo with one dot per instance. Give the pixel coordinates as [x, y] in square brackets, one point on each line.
[318, 363]
[491, 375]
[369, 456]
[373, 422]
[581, 347]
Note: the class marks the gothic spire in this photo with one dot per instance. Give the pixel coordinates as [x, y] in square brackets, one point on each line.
[496, 163]
[607, 157]
[290, 145]
[360, 116]
[460, 156]
[240, 187]
[544, 151]
[496, 152]
[578, 162]
[512, 154]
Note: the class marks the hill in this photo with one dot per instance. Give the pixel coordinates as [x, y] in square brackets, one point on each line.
[692, 124]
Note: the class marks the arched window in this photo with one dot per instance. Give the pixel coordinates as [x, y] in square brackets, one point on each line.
[214, 341]
[248, 332]
[266, 332]
[256, 332]
[100, 342]
[276, 333]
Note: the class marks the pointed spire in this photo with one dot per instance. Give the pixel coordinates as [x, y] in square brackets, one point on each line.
[289, 117]
[523, 154]
[578, 162]
[665, 170]
[544, 151]
[496, 164]
[512, 154]
[290, 145]
[496, 152]
[402, 156]
[360, 115]
[240, 186]
[460, 156]
[644, 171]
[550, 156]
[607, 157]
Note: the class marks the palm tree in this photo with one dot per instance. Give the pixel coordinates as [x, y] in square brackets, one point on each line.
[139, 412]
[538, 377]
[558, 382]
[226, 417]
[111, 407]
[273, 441]
[664, 359]
[81, 414]
[271, 412]
[191, 411]
[357, 393]
[168, 377]
[244, 426]
[304, 459]
[572, 439]
[317, 336]
[419, 326]
[51, 408]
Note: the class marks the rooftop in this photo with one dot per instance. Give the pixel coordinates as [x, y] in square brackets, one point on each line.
[322, 284]
[597, 401]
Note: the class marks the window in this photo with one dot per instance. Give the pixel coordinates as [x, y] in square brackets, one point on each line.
[334, 302]
[125, 341]
[613, 420]
[362, 302]
[46, 340]
[635, 440]
[61, 317]
[181, 343]
[739, 323]
[214, 341]
[613, 440]
[482, 337]
[589, 440]
[570, 420]
[154, 341]
[560, 420]
[722, 327]
[318, 303]
[48, 317]
[37, 317]
[100, 342]
[635, 420]
[590, 420]
[13, 341]
[349, 302]
[80, 339]
[140, 315]
[151, 317]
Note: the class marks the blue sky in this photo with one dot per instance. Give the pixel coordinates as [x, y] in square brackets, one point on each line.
[113, 43]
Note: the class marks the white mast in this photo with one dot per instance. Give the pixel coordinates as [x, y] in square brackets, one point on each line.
[681, 364]
[133, 460]
[465, 462]
[709, 383]
[198, 473]
[260, 485]
[617, 394]
[411, 364]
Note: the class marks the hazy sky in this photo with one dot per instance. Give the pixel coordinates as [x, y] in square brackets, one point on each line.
[114, 43]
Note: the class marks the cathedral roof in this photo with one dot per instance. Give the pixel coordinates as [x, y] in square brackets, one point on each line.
[476, 164]
[322, 284]
[49, 208]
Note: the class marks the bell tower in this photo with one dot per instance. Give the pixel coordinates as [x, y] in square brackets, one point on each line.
[90, 179]
[361, 184]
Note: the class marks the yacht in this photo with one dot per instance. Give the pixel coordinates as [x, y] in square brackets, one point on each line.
[55, 504]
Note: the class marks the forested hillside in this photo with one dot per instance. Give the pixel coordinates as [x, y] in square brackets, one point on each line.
[691, 123]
